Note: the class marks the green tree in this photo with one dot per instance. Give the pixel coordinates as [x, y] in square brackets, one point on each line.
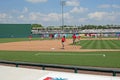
[36, 26]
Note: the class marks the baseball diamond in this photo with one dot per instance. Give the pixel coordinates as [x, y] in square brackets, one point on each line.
[84, 53]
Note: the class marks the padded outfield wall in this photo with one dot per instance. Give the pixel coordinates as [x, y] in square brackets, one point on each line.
[15, 30]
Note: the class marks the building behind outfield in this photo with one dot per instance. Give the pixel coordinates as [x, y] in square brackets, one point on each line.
[15, 30]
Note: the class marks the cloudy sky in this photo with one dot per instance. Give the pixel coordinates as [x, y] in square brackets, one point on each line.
[48, 12]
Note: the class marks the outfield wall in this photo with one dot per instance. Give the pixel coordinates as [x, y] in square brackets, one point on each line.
[15, 30]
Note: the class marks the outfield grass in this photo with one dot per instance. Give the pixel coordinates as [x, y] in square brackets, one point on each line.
[99, 44]
[5, 40]
[96, 59]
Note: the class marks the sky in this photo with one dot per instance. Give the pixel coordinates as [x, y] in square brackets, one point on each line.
[49, 12]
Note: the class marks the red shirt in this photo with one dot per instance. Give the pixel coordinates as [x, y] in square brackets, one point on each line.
[79, 37]
[30, 36]
[74, 36]
[63, 39]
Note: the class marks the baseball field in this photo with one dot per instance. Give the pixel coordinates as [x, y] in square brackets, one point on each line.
[86, 52]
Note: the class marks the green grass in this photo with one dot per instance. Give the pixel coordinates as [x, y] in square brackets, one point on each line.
[96, 59]
[6, 40]
[99, 44]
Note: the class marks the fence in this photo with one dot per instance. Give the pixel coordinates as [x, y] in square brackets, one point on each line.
[15, 30]
[75, 68]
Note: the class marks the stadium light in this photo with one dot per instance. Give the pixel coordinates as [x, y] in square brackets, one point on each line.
[62, 4]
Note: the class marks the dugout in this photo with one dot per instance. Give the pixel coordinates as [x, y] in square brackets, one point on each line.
[15, 30]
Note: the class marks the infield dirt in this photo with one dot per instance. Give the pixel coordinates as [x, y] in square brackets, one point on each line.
[39, 45]
[46, 45]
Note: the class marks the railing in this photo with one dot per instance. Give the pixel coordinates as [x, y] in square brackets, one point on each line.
[75, 68]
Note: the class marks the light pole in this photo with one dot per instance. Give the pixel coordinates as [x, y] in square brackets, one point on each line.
[62, 4]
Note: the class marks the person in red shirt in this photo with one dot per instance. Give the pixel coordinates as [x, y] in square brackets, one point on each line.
[63, 40]
[74, 38]
[79, 37]
[30, 37]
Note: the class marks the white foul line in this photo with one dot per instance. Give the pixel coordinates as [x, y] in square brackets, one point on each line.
[69, 54]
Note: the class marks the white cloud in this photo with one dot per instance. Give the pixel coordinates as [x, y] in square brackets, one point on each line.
[34, 16]
[82, 19]
[97, 15]
[67, 16]
[36, 1]
[104, 16]
[72, 3]
[4, 16]
[21, 17]
[116, 6]
[109, 6]
[25, 10]
[78, 10]
[44, 17]
[52, 17]
[105, 6]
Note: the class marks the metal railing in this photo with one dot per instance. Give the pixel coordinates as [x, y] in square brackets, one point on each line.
[75, 68]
